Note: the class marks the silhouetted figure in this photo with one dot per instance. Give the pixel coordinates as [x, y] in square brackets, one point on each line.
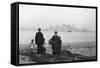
[39, 40]
[56, 44]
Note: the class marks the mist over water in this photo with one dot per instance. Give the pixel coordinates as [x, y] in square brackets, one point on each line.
[67, 37]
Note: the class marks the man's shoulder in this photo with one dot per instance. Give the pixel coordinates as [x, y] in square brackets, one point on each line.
[56, 35]
[39, 33]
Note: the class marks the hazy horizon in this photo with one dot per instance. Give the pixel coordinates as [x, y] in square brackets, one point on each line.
[46, 16]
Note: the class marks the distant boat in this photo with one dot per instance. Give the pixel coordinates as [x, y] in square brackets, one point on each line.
[69, 31]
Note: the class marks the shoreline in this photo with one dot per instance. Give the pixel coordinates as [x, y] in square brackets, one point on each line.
[90, 43]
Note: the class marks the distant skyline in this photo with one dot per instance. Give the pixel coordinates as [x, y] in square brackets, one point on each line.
[31, 16]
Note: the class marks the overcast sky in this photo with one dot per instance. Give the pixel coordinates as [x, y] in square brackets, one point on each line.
[44, 16]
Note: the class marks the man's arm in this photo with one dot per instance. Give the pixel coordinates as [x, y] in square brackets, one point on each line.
[60, 41]
[36, 38]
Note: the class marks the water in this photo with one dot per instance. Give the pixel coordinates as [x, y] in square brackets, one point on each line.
[67, 37]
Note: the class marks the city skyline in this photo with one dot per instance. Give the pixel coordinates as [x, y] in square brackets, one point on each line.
[62, 27]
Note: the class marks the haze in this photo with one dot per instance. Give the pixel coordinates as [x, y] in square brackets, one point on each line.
[45, 16]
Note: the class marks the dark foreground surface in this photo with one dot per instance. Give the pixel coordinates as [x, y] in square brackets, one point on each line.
[28, 56]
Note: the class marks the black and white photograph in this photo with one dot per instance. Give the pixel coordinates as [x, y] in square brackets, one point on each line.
[49, 34]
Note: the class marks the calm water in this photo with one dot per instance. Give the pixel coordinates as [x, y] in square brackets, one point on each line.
[67, 37]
